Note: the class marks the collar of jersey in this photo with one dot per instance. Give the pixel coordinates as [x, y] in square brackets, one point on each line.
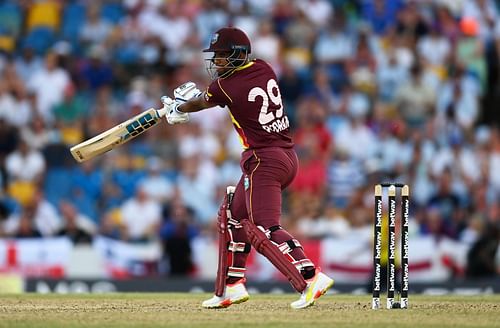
[240, 68]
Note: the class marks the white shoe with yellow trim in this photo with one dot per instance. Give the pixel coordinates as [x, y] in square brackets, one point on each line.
[233, 294]
[316, 286]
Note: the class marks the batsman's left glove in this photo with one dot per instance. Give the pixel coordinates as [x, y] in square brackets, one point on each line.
[186, 91]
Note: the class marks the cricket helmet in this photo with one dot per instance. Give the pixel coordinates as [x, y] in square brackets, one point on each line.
[229, 39]
[230, 47]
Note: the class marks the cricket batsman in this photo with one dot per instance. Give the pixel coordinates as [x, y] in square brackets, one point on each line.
[249, 215]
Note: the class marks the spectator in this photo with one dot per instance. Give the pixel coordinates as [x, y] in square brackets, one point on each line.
[141, 217]
[25, 164]
[267, 45]
[15, 107]
[313, 142]
[155, 184]
[448, 207]
[27, 63]
[317, 11]
[38, 213]
[196, 183]
[168, 24]
[471, 50]
[380, 14]
[27, 227]
[48, 85]
[39, 134]
[76, 226]
[71, 109]
[176, 233]
[361, 66]
[110, 225]
[434, 48]
[211, 16]
[415, 99]
[481, 257]
[95, 29]
[390, 75]
[345, 176]
[96, 73]
[356, 138]
[299, 37]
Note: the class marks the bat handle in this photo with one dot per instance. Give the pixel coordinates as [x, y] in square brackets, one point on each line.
[162, 111]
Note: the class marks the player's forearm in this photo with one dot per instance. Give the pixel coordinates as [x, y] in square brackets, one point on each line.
[194, 105]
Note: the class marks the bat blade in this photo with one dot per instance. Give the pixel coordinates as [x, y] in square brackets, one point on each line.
[117, 135]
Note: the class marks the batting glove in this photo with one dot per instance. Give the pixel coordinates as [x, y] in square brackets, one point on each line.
[186, 91]
[174, 116]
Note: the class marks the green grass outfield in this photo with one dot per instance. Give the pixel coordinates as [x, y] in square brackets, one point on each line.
[263, 310]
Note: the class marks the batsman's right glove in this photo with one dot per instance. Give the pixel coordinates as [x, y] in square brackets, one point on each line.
[174, 116]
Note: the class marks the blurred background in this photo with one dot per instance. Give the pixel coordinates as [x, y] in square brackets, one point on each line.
[376, 91]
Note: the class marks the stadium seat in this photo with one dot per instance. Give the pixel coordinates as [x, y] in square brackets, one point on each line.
[57, 184]
[40, 39]
[10, 19]
[73, 18]
[43, 14]
[112, 12]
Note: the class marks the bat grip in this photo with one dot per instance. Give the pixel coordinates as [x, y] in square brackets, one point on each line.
[162, 111]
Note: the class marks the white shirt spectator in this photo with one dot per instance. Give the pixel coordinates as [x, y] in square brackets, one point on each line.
[172, 29]
[95, 29]
[7, 104]
[394, 152]
[15, 110]
[197, 183]
[333, 46]
[464, 104]
[48, 84]
[435, 49]
[246, 22]
[317, 11]
[155, 184]
[210, 20]
[357, 140]
[26, 65]
[198, 141]
[261, 7]
[211, 120]
[24, 163]
[141, 215]
[462, 160]
[266, 45]
[46, 220]
[390, 75]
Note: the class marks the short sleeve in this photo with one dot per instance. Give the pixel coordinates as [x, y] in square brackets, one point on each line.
[216, 95]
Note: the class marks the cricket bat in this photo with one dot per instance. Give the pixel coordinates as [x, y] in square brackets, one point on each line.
[117, 135]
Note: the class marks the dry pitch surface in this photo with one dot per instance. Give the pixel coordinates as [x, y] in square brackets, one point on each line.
[183, 310]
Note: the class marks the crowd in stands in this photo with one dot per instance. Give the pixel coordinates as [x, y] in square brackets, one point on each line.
[403, 91]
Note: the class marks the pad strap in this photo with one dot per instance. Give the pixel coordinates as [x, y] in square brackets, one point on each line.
[269, 231]
[236, 272]
[233, 223]
[236, 247]
[287, 246]
[301, 264]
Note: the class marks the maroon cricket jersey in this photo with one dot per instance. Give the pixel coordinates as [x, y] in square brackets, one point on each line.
[253, 97]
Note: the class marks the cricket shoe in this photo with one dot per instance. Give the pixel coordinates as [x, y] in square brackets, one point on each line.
[316, 286]
[233, 294]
